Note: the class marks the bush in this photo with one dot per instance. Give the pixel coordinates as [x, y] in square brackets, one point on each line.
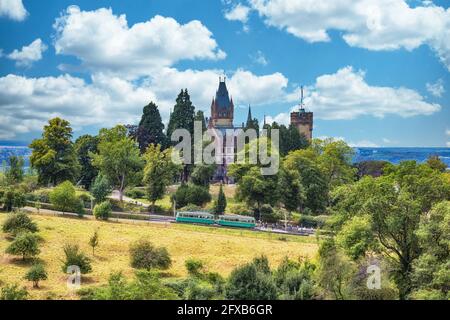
[12, 198]
[42, 195]
[191, 208]
[25, 245]
[13, 292]
[194, 267]
[101, 188]
[308, 221]
[241, 209]
[63, 197]
[144, 255]
[73, 257]
[268, 215]
[35, 274]
[135, 193]
[191, 194]
[19, 222]
[103, 210]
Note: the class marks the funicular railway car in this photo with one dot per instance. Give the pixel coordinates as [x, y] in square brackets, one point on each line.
[236, 221]
[195, 217]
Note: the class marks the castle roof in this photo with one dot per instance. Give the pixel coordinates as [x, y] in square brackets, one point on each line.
[222, 97]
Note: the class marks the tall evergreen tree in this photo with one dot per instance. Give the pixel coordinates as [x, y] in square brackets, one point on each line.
[200, 116]
[151, 128]
[53, 155]
[252, 123]
[183, 114]
[221, 204]
[14, 173]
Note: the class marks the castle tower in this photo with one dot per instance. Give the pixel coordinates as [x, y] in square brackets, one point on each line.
[222, 108]
[303, 120]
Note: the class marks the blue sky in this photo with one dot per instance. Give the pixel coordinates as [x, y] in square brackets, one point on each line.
[375, 77]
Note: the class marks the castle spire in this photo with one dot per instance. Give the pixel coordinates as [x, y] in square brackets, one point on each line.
[249, 116]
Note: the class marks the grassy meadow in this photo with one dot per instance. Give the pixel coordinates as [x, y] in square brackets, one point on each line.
[220, 249]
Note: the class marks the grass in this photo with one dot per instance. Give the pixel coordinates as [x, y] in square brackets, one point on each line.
[220, 249]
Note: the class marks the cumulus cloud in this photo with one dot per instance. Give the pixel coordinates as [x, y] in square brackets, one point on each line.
[370, 24]
[104, 42]
[259, 58]
[346, 95]
[28, 54]
[436, 89]
[13, 9]
[238, 12]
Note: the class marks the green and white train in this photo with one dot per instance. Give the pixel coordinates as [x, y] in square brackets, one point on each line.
[206, 218]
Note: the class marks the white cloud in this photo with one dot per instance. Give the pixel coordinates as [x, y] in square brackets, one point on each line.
[104, 42]
[370, 24]
[238, 12]
[436, 89]
[28, 54]
[281, 118]
[363, 144]
[13, 9]
[259, 58]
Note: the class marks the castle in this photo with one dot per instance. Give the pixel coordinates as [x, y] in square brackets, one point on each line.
[221, 124]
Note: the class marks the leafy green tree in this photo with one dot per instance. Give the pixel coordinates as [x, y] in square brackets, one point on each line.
[118, 158]
[431, 271]
[12, 292]
[295, 280]
[14, 173]
[202, 174]
[252, 281]
[372, 168]
[151, 128]
[144, 255]
[356, 237]
[35, 274]
[101, 188]
[12, 198]
[93, 241]
[84, 147]
[53, 156]
[63, 197]
[221, 202]
[25, 245]
[74, 257]
[19, 222]
[159, 172]
[293, 193]
[103, 210]
[434, 162]
[191, 194]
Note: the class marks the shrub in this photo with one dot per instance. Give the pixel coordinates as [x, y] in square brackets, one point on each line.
[13, 199]
[63, 197]
[103, 210]
[101, 188]
[135, 193]
[42, 195]
[308, 221]
[191, 208]
[241, 209]
[25, 245]
[194, 267]
[19, 222]
[191, 194]
[144, 255]
[13, 292]
[93, 241]
[35, 274]
[268, 215]
[74, 257]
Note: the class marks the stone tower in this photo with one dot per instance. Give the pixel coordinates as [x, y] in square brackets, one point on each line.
[222, 108]
[303, 120]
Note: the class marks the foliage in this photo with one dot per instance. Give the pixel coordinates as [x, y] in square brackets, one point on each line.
[14, 173]
[295, 280]
[12, 198]
[182, 116]
[74, 257]
[13, 292]
[118, 158]
[35, 274]
[144, 255]
[103, 210]
[84, 146]
[356, 237]
[19, 222]
[191, 194]
[63, 197]
[159, 172]
[53, 156]
[25, 245]
[221, 203]
[434, 162]
[251, 281]
[293, 192]
[372, 168]
[93, 241]
[135, 193]
[202, 174]
[151, 128]
[101, 188]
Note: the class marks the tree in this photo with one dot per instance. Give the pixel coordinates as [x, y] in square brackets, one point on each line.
[159, 172]
[293, 194]
[103, 210]
[118, 158]
[221, 203]
[202, 174]
[84, 147]
[252, 281]
[93, 241]
[431, 270]
[200, 116]
[144, 255]
[151, 128]
[64, 198]
[35, 274]
[14, 172]
[74, 257]
[12, 198]
[434, 162]
[101, 188]
[25, 245]
[53, 155]
[13, 292]
[19, 222]
[191, 194]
